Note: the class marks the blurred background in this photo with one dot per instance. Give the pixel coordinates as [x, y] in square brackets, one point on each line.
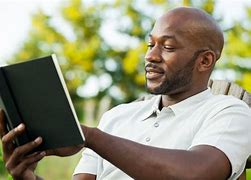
[100, 46]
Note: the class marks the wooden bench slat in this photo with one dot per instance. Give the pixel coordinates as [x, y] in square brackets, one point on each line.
[236, 91]
[220, 87]
[247, 98]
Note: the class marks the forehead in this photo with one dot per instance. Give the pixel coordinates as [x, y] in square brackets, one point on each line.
[173, 27]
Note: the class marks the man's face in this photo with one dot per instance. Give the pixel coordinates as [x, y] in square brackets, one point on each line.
[170, 58]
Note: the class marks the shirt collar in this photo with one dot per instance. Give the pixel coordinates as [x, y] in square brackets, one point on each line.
[152, 106]
[149, 108]
[191, 101]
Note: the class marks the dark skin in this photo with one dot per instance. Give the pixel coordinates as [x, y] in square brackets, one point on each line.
[171, 49]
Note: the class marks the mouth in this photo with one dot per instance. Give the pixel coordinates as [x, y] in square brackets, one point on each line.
[153, 72]
[153, 75]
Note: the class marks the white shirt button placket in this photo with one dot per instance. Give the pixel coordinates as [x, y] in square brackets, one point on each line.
[148, 139]
[156, 124]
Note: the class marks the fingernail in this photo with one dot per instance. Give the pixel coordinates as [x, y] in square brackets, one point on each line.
[38, 140]
[20, 127]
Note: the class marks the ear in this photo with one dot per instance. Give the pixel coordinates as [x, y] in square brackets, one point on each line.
[206, 61]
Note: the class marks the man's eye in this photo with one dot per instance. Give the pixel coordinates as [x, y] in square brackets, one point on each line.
[149, 45]
[169, 48]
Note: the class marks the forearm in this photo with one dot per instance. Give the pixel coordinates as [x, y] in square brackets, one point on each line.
[145, 162]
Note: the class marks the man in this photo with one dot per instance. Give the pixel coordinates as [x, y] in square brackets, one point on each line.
[184, 132]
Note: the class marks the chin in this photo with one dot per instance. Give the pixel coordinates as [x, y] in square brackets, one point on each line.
[167, 90]
[153, 90]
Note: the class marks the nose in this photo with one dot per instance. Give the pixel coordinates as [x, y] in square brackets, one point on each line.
[153, 54]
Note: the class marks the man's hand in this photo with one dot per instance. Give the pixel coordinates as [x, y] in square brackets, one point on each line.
[18, 161]
[65, 151]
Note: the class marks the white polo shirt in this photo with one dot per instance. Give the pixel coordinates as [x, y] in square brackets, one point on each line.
[203, 119]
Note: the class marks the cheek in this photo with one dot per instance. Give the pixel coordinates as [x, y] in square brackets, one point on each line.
[171, 62]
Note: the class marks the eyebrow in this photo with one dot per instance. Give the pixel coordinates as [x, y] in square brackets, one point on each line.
[164, 37]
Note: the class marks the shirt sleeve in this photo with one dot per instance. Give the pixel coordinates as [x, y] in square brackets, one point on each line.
[229, 131]
[88, 163]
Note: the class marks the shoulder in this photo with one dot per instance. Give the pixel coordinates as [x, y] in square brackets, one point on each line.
[225, 108]
[225, 113]
[221, 102]
[226, 125]
[126, 107]
[123, 112]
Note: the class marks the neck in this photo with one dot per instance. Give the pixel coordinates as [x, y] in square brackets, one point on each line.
[180, 95]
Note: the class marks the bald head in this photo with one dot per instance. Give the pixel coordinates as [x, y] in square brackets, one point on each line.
[197, 26]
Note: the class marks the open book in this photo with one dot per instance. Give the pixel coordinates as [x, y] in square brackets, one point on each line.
[34, 93]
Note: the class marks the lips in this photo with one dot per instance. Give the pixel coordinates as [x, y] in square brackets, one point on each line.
[153, 71]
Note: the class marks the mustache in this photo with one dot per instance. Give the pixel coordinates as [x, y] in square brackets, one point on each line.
[153, 67]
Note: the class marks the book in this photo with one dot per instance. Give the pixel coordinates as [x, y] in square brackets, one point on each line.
[34, 93]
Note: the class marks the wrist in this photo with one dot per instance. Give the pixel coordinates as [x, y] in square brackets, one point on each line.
[88, 133]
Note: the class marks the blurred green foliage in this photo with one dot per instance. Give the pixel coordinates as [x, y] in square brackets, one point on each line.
[2, 170]
[85, 53]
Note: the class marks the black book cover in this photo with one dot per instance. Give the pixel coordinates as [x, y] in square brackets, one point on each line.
[34, 92]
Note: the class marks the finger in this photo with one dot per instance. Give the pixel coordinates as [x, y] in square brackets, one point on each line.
[7, 139]
[11, 165]
[23, 150]
[25, 164]
[3, 130]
